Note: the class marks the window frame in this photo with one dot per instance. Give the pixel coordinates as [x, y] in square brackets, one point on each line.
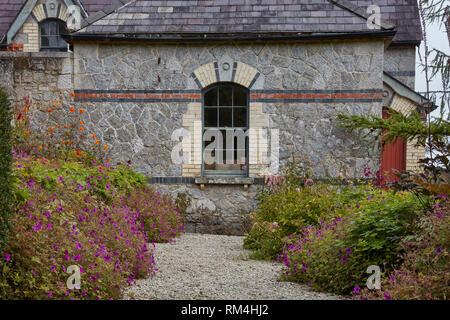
[226, 173]
[52, 49]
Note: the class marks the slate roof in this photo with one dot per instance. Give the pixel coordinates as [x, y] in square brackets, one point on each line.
[254, 16]
[228, 16]
[404, 14]
[111, 17]
[9, 9]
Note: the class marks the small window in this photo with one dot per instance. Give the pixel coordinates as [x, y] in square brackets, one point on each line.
[50, 32]
[225, 128]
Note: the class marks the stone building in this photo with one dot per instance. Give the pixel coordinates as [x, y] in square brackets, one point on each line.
[164, 79]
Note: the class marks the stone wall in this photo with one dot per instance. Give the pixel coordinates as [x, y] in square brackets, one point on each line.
[41, 76]
[137, 95]
[400, 62]
[216, 209]
[141, 131]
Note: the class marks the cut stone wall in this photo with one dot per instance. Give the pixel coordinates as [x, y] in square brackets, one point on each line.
[306, 127]
[400, 62]
[217, 209]
[41, 76]
[119, 82]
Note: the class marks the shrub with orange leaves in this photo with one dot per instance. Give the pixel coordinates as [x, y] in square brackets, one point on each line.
[59, 143]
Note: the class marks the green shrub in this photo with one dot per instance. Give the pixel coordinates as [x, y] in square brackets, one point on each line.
[425, 271]
[335, 256]
[286, 212]
[6, 181]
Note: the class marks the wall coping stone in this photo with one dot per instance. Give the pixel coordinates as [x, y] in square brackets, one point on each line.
[43, 54]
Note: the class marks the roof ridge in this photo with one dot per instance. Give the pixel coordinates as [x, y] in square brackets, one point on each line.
[359, 11]
[117, 4]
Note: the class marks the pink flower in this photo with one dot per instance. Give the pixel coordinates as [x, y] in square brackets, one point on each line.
[308, 181]
[7, 257]
[273, 226]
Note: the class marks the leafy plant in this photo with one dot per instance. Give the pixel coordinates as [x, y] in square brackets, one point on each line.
[6, 180]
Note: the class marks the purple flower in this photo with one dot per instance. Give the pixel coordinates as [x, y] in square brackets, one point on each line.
[7, 257]
[49, 294]
[386, 296]
[369, 198]
[356, 289]
[438, 250]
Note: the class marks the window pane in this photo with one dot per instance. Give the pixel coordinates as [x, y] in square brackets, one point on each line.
[211, 97]
[44, 29]
[210, 115]
[240, 97]
[50, 32]
[225, 117]
[53, 28]
[207, 165]
[53, 41]
[44, 41]
[240, 117]
[225, 96]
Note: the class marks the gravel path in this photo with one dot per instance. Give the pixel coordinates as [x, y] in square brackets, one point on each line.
[215, 267]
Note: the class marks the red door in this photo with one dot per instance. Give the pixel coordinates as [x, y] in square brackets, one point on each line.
[393, 157]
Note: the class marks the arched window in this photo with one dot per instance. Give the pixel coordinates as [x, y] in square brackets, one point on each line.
[225, 130]
[50, 31]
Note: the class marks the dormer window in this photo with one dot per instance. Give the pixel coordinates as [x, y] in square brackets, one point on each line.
[50, 32]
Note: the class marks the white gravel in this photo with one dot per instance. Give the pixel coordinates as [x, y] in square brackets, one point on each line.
[216, 267]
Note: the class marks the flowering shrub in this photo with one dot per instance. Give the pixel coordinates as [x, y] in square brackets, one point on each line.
[335, 255]
[425, 271]
[70, 214]
[5, 166]
[57, 140]
[98, 217]
[161, 218]
[286, 211]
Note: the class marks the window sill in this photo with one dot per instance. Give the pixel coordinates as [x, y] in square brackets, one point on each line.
[244, 181]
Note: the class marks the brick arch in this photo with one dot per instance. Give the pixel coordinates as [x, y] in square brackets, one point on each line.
[238, 72]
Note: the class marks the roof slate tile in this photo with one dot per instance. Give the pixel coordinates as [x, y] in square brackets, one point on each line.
[216, 16]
